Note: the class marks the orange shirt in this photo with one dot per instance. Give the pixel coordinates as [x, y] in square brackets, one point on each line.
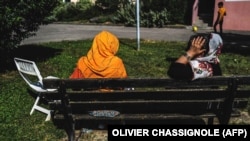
[221, 12]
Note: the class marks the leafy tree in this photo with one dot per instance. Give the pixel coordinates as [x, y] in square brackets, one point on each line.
[79, 11]
[20, 18]
[108, 6]
[150, 16]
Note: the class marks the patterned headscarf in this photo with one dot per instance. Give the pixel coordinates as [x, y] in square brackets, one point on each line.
[201, 66]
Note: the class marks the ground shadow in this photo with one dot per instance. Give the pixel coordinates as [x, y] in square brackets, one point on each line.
[127, 42]
[35, 94]
[236, 43]
[35, 53]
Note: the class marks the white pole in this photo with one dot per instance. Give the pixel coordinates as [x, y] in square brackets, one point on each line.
[138, 23]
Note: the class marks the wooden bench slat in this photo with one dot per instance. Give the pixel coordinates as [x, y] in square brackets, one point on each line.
[133, 82]
[188, 107]
[178, 95]
[156, 95]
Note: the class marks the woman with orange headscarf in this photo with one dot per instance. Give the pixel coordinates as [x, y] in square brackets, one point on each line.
[100, 61]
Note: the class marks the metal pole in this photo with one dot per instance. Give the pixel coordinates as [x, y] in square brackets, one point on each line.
[138, 23]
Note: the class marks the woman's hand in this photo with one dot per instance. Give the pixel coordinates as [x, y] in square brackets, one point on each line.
[196, 47]
[195, 50]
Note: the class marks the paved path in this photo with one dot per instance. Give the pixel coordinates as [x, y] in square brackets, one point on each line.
[59, 32]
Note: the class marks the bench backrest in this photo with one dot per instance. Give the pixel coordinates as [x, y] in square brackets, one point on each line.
[150, 96]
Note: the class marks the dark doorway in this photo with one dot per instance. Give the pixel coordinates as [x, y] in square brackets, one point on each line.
[189, 12]
[206, 11]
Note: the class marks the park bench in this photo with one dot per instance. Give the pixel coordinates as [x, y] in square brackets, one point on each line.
[89, 103]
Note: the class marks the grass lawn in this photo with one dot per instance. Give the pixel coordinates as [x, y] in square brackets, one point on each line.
[59, 59]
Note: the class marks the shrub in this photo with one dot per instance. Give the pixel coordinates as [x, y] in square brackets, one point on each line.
[82, 10]
[19, 20]
[148, 17]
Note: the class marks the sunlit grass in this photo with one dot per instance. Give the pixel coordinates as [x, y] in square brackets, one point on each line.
[152, 60]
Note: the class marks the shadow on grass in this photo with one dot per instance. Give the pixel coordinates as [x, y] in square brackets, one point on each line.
[35, 53]
[34, 95]
[236, 43]
[127, 42]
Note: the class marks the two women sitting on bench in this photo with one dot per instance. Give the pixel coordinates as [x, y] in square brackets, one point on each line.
[200, 60]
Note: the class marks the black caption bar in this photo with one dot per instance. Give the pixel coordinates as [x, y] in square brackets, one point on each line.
[223, 132]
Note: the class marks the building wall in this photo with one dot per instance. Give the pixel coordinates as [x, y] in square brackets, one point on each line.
[237, 17]
[195, 11]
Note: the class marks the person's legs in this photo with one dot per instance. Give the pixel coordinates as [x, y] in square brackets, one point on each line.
[215, 24]
[221, 24]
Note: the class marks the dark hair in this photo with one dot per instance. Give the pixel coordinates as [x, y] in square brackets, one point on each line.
[220, 3]
[206, 44]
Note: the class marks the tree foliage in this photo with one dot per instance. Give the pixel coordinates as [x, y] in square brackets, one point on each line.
[151, 15]
[21, 18]
[79, 11]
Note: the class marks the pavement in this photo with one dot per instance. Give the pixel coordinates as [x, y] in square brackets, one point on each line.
[59, 32]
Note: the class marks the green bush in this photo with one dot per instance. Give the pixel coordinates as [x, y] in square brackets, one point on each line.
[126, 15]
[83, 10]
[177, 9]
[148, 17]
[108, 6]
[20, 19]
[153, 13]
[67, 12]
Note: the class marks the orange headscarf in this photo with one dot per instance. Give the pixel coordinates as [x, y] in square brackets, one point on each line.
[100, 61]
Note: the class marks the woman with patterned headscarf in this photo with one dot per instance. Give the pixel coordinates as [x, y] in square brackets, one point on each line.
[100, 61]
[200, 60]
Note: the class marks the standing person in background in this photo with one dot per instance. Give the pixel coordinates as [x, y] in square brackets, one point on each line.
[220, 17]
[101, 60]
[200, 60]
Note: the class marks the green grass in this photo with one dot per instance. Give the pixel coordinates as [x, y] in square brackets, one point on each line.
[59, 59]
